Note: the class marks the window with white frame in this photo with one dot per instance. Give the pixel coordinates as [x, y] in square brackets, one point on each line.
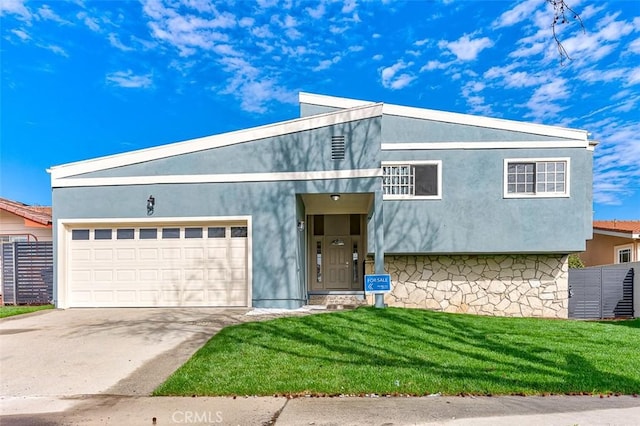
[624, 254]
[546, 177]
[412, 180]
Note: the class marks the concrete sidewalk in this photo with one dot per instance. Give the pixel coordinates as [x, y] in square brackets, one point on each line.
[522, 411]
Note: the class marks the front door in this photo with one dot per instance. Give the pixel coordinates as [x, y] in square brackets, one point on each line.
[335, 252]
[338, 265]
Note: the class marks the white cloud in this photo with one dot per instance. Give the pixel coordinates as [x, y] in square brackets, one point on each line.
[377, 57]
[15, 7]
[256, 95]
[519, 13]
[21, 34]
[45, 12]
[477, 103]
[318, 12]
[266, 4]
[325, 64]
[633, 77]
[435, 65]
[616, 165]
[421, 42]
[634, 46]
[246, 22]
[128, 79]
[466, 48]
[115, 42]
[56, 49]
[262, 32]
[542, 104]
[90, 22]
[392, 80]
[349, 6]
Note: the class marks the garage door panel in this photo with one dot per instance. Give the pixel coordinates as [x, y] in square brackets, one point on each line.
[196, 269]
[216, 274]
[217, 253]
[170, 275]
[80, 275]
[99, 275]
[149, 296]
[238, 275]
[103, 254]
[148, 274]
[194, 253]
[148, 254]
[126, 296]
[126, 275]
[194, 275]
[80, 298]
[126, 254]
[78, 255]
[103, 296]
[171, 253]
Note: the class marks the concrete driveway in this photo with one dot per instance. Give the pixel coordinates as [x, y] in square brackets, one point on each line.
[52, 359]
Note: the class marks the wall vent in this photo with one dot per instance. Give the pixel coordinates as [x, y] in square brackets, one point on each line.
[337, 147]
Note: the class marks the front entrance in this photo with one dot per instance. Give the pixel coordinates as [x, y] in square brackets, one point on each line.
[336, 252]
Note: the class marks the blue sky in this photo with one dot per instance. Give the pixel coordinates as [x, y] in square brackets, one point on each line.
[82, 79]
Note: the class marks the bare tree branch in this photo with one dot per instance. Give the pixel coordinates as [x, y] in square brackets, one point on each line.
[562, 15]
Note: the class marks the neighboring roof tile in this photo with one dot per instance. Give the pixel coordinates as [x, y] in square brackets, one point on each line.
[632, 226]
[38, 214]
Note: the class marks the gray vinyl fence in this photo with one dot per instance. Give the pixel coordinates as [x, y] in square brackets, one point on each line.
[27, 272]
[602, 292]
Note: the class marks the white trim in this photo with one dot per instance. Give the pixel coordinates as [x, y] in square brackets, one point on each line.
[63, 239]
[567, 172]
[413, 163]
[482, 145]
[216, 141]
[621, 234]
[618, 249]
[450, 117]
[330, 101]
[216, 178]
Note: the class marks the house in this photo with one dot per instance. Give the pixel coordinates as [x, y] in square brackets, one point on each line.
[467, 213]
[614, 241]
[21, 222]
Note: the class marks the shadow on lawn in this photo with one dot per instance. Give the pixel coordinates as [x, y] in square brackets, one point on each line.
[485, 355]
[631, 323]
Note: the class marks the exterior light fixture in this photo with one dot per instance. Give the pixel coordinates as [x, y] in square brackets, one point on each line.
[301, 225]
[335, 197]
[151, 203]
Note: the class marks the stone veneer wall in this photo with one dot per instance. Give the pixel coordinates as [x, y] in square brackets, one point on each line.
[501, 285]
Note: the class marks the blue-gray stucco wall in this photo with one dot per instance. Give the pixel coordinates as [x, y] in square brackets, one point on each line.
[474, 217]
[300, 151]
[277, 259]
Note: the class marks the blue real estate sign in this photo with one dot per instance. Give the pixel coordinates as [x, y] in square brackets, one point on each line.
[378, 283]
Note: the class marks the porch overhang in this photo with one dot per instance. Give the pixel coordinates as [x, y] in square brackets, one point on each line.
[348, 203]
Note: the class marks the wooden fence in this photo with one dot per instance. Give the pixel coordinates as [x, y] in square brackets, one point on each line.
[27, 272]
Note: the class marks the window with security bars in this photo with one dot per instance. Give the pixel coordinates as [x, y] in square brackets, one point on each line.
[411, 181]
[537, 177]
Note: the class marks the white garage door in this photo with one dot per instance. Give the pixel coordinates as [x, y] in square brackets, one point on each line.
[148, 266]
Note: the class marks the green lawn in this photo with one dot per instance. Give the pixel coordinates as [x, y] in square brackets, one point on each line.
[417, 352]
[9, 311]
